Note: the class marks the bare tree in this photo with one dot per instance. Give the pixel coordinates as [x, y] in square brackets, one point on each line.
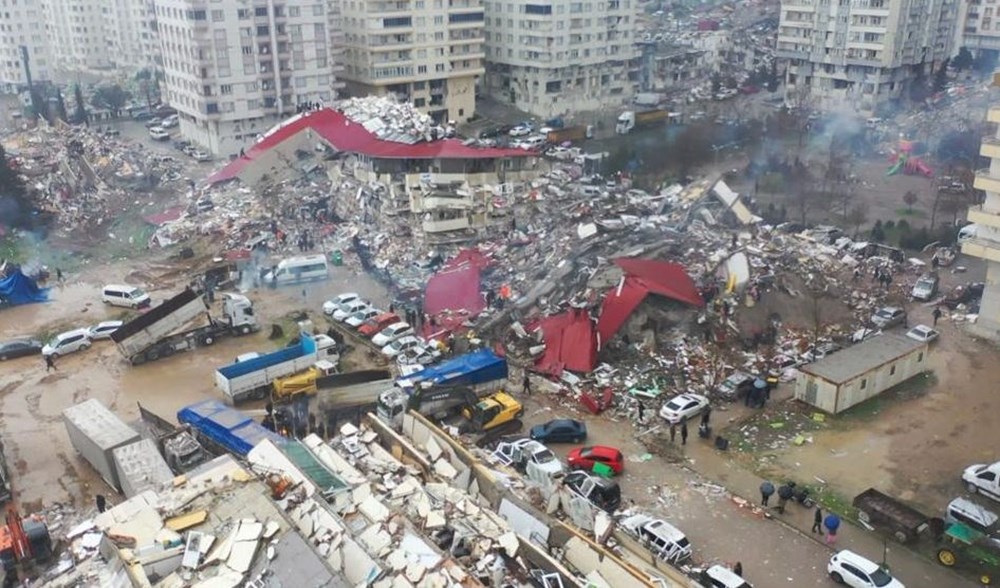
[857, 216]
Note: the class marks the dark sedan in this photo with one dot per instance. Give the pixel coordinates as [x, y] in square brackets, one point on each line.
[19, 348]
[560, 431]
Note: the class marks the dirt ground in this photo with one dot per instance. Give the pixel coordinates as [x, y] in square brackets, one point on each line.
[46, 468]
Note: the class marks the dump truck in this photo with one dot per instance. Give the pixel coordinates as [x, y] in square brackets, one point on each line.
[343, 397]
[476, 369]
[253, 378]
[224, 429]
[630, 119]
[304, 382]
[577, 133]
[160, 332]
[177, 445]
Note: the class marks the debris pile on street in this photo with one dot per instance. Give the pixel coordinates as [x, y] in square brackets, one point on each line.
[388, 120]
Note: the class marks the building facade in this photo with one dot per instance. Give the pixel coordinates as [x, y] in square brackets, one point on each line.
[23, 25]
[233, 68]
[131, 39]
[427, 52]
[978, 26]
[985, 243]
[860, 54]
[556, 57]
[78, 32]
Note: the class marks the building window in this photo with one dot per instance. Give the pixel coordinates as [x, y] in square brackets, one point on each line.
[243, 13]
[466, 17]
[317, 10]
[218, 15]
[212, 108]
[263, 30]
[419, 102]
[293, 11]
[401, 21]
[538, 9]
[864, 383]
[228, 89]
[260, 11]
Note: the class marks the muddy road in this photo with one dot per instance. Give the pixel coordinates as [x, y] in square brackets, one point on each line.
[45, 467]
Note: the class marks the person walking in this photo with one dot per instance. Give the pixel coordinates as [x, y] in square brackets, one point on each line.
[684, 431]
[59, 275]
[641, 412]
[818, 521]
[527, 384]
[673, 431]
[102, 503]
[784, 494]
[936, 314]
[706, 415]
[738, 569]
[50, 364]
[766, 490]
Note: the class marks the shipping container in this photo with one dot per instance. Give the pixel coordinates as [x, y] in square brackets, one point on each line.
[141, 467]
[96, 432]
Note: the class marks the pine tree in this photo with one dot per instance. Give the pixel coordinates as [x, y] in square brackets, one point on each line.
[14, 201]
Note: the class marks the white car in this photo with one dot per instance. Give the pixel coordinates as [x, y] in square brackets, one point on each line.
[863, 334]
[334, 303]
[922, 333]
[394, 348]
[983, 479]
[348, 308]
[683, 406]
[856, 571]
[67, 342]
[158, 134]
[104, 330]
[520, 131]
[357, 319]
[422, 355]
[170, 121]
[391, 333]
[200, 155]
[524, 451]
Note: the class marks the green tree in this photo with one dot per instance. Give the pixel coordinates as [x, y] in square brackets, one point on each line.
[857, 216]
[15, 204]
[878, 233]
[909, 198]
[963, 60]
[80, 114]
[941, 76]
[60, 106]
[112, 98]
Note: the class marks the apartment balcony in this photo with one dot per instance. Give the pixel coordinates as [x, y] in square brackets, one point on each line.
[985, 218]
[986, 182]
[982, 248]
[442, 226]
[447, 203]
[993, 114]
[990, 148]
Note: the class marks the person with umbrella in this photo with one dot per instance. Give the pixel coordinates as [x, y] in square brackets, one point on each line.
[785, 493]
[766, 490]
[832, 523]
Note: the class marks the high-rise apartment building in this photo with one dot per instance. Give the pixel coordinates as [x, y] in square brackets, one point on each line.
[979, 25]
[860, 54]
[78, 33]
[428, 52]
[985, 240]
[233, 68]
[22, 25]
[131, 35]
[553, 57]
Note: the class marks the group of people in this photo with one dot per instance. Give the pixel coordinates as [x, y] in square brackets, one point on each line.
[703, 427]
[830, 524]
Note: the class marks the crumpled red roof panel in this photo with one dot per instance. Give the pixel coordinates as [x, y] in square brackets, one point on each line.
[570, 343]
[454, 290]
[618, 306]
[345, 135]
[663, 278]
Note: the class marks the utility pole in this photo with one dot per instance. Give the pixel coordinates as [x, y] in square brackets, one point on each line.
[26, 60]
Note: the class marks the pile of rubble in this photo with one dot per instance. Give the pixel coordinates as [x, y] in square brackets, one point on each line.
[390, 120]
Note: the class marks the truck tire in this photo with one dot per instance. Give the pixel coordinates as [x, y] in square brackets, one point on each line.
[207, 340]
[245, 330]
[836, 577]
[947, 557]
[864, 517]
[153, 355]
[972, 488]
[901, 536]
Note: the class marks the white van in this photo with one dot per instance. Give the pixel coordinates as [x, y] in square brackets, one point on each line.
[127, 296]
[967, 232]
[295, 270]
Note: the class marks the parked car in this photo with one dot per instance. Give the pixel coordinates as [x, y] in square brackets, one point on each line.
[346, 309]
[820, 351]
[560, 431]
[520, 131]
[170, 121]
[926, 287]
[603, 493]
[864, 334]
[963, 294]
[158, 134]
[979, 518]
[847, 567]
[391, 333]
[735, 386]
[683, 407]
[181, 144]
[374, 326]
[399, 345]
[983, 479]
[357, 319]
[522, 452]
[419, 355]
[888, 316]
[722, 577]
[19, 348]
[68, 342]
[666, 541]
[142, 115]
[490, 133]
[153, 122]
[201, 156]
[334, 303]
[584, 458]
[103, 330]
[922, 333]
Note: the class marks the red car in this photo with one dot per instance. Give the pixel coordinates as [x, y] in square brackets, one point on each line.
[373, 326]
[584, 458]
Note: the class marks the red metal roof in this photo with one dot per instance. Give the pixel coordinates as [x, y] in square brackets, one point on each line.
[570, 343]
[345, 135]
[643, 276]
[454, 290]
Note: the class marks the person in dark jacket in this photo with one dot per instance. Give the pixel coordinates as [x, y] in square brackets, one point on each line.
[818, 521]
[738, 569]
[785, 493]
[684, 431]
[766, 490]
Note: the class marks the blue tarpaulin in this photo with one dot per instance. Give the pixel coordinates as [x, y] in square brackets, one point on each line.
[18, 288]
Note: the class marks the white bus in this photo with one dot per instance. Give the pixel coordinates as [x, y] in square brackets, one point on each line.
[295, 270]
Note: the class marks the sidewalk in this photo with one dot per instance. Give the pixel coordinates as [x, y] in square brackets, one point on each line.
[909, 567]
